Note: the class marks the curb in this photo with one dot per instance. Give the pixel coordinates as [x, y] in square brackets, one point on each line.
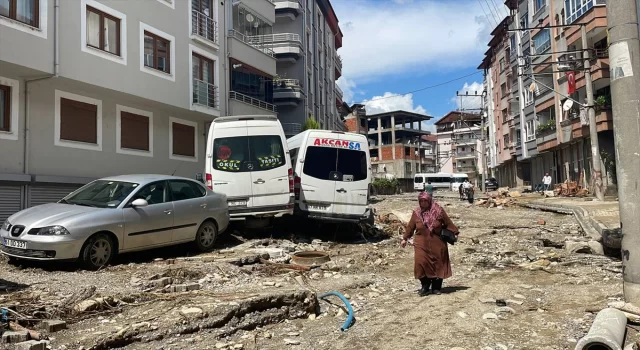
[610, 238]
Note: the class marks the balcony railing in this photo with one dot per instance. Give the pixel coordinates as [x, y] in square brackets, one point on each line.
[270, 39]
[465, 169]
[338, 61]
[286, 83]
[252, 101]
[205, 94]
[292, 128]
[252, 42]
[601, 53]
[204, 26]
[339, 91]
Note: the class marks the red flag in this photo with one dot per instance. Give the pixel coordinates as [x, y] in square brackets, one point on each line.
[571, 80]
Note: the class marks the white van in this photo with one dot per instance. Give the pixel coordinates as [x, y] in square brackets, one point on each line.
[331, 175]
[248, 160]
[437, 180]
[457, 180]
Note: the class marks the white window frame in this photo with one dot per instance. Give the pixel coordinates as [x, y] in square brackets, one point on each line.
[537, 9]
[530, 129]
[59, 94]
[122, 59]
[40, 32]
[170, 3]
[216, 80]
[198, 38]
[195, 139]
[13, 133]
[172, 52]
[546, 45]
[129, 151]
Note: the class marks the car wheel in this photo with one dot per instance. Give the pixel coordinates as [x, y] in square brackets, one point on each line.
[206, 236]
[97, 251]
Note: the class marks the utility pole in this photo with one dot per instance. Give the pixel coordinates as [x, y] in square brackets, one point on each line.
[624, 54]
[521, 63]
[593, 127]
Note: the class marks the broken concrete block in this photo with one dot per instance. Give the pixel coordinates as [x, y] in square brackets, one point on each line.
[541, 222]
[86, 305]
[11, 337]
[161, 282]
[591, 247]
[32, 345]
[54, 325]
[549, 194]
[192, 286]
[514, 194]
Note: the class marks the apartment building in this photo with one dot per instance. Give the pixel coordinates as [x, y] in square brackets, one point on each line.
[94, 88]
[459, 151]
[305, 40]
[399, 143]
[548, 137]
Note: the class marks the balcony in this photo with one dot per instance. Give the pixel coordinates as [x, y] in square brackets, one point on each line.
[465, 142]
[338, 65]
[205, 94]
[288, 8]
[291, 129]
[546, 139]
[251, 101]
[253, 41]
[287, 92]
[285, 46]
[204, 27]
[465, 155]
[244, 48]
[592, 13]
[339, 93]
[465, 169]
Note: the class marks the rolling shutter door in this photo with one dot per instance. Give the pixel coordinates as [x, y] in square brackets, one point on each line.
[9, 201]
[43, 194]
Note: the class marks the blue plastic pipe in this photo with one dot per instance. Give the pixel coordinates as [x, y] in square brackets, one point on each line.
[350, 317]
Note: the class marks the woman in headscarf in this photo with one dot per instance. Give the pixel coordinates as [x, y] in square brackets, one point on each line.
[431, 264]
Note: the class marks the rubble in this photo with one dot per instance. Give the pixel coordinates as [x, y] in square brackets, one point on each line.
[12, 337]
[32, 345]
[52, 326]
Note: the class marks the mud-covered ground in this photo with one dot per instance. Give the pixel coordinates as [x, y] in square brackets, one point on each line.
[505, 255]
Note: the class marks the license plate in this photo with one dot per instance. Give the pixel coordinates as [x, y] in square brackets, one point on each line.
[237, 203]
[15, 244]
[318, 207]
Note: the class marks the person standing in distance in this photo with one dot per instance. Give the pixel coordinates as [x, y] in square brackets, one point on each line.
[546, 181]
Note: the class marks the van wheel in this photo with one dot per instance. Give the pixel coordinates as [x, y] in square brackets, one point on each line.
[97, 251]
[206, 236]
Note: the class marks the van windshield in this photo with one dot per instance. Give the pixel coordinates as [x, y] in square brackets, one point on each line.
[248, 153]
[333, 164]
[459, 180]
[418, 179]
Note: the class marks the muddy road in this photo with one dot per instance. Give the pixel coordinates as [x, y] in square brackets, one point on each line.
[173, 299]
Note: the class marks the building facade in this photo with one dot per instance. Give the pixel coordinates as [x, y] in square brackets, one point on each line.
[459, 145]
[96, 88]
[306, 37]
[549, 134]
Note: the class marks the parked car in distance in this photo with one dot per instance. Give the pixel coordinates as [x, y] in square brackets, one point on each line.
[491, 184]
[117, 215]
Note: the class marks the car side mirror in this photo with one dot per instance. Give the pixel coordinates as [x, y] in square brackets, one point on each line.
[139, 203]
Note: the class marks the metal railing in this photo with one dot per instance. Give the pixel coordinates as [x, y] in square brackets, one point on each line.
[253, 43]
[338, 61]
[268, 39]
[205, 94]
[601, 53]
[298, 1]
[251, 101]
[204, 26]
[286, 83]
[339, 91]
[291, 128]
[465, 169]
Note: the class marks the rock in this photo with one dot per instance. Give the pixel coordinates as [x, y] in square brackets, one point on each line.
[86, 305]
[489, 316]
[378, 262]
[293, 334]
[54, 325]
[32, 345]
[481, 202]
[315, 276]
[517, 302]
[487, 300]
[519, 296]
[238, 346]
[269, 284]
[164, 281]
[300, 280]
[504, 310]
[541, 222]
[514, 194]
[501, 347]
[191, 311]
[11, 337]
[340, 313]
[549, 194]
[462, 314]
[267, 335]
[457, 348]
[591, 247]
[537, 265]
[291, 342]
[596, 247]
[221, 345]
[312, 317]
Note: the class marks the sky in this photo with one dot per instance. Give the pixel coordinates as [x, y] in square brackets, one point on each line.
[392, 47]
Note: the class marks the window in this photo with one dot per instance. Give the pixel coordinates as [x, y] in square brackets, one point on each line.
[203, 6]
[170, 3]
[542, 41]
[103, 31]
[78, 121]
[184, 190]
[418, 179]
[203, 20]
[25, 11]
[503, 90]
[501, 64]
[248, 153]
[5, 108]
[101, 194]
[156, 52]
[155, 193]
[514, 49]
[524, 21]
[518, 137]
[506, 141]
[408, 167]
[183, 139]
[336, 164]
[577, 8]
[539, 4]
[530, 130]
[528, 97]
[204, 91]
[134, 131]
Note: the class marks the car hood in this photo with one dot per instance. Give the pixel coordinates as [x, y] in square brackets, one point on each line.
[49, 214]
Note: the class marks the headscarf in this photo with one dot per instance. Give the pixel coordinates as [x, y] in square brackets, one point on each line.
[429, 216]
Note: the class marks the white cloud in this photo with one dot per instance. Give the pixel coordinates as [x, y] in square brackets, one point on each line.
[469, 102]
[348, 89]
[381, 40]
[389, 102]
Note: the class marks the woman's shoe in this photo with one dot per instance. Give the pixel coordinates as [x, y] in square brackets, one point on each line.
[437, 292]
[423, 292]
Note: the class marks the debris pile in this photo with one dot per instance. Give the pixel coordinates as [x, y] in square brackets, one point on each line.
[499, 199]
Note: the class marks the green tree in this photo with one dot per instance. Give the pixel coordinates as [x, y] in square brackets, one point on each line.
[310, 123]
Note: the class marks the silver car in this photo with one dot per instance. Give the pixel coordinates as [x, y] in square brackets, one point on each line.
[117, 215]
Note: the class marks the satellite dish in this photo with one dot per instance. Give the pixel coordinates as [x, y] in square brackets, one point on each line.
[533, 87]
[567, 105]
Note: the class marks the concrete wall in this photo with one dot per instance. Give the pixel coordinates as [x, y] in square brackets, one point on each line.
[251, 56]
[264, 8]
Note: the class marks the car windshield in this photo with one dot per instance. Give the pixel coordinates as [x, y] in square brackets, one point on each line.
[101, 194]
[459, 180]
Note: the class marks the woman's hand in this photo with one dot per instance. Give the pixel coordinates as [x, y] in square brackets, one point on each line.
[403, 243]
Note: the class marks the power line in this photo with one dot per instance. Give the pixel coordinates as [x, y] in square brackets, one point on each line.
[496, 7]
[491, 11]
[485, 13]
[422, 89]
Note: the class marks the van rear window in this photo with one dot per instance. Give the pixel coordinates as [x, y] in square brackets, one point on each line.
[332, 164]
[418, 179]
[248, 153]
